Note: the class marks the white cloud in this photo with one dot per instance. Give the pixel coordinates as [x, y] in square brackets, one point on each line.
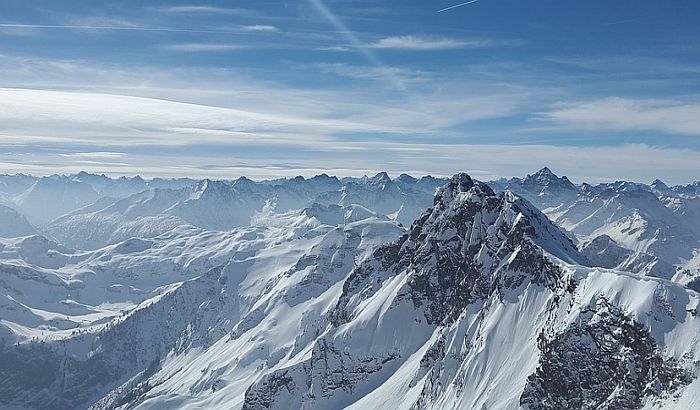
[116, 120]
[412, 42]
[202, 47]
[590, 164]
[625, 114]
[242, 125]
[207, 10]
[95, 155]
[361, 72]
[259, 27]
[340, 49]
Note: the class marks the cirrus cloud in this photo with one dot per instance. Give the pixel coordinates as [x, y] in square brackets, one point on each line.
[425, 43]
[627, 114]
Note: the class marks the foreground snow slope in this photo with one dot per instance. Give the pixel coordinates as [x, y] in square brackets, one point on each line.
[91, 321]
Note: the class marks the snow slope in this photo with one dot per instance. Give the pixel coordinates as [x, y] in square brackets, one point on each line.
[162, 294]
[649, 220]
[13, 224]
[309, 293]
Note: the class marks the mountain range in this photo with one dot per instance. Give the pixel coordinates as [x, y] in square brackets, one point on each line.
[365, 293]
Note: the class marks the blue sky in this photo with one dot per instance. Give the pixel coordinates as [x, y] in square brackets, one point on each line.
[597, 90]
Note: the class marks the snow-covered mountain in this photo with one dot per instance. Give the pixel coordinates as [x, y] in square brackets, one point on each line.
[476, 308]
[654, 220]
[224, 205]
[50, 197]
[106, 318]
[604, 252]
[483, 303]
[13, 224]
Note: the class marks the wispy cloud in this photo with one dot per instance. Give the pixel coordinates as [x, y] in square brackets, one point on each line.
[352, 38]
[95, 155]
[110, 28]
[338, 49]
[625, 114]
[259, 27]
[484, 161]
[413, 42]
[202, 47]
[360, 72]
[208, 10]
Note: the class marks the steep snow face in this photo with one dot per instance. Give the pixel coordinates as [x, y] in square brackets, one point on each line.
[216, 205]
[115, 188]
[108, 220]
[50, 197]
[656, 220]
[222, 206]
[402, 201]
[471, 247]
[302, 294]
[114, 319]
[14, 224]
[448, 317]
[604, 252]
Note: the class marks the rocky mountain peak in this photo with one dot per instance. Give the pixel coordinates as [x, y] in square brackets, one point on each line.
[381, 178]
[406, 179]
[548, 179]
[208, 188]
[243, 183]
[471, 244]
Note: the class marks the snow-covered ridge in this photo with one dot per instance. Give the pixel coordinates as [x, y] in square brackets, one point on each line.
[650, 221]
[462, 294]
[312, 293]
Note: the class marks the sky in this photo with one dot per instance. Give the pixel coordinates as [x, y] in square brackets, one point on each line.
[597, 90]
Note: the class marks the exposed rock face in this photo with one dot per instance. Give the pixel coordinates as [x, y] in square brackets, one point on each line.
[471, 244]
[606, 360]
[483, 303]
[47, 375]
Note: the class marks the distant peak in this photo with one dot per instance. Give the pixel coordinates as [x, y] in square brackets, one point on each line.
[461, 182]
[324, 177]
[210, 184]
[544, 174]
[659, 184]
[458, 184]
[546, 178]
[243, 181]
[405, 178]
[381, 177]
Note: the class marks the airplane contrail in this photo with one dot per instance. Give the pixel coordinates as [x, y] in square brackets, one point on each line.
[355, 42]
[457, 5]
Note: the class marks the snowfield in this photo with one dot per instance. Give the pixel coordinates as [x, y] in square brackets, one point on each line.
[360, 293]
